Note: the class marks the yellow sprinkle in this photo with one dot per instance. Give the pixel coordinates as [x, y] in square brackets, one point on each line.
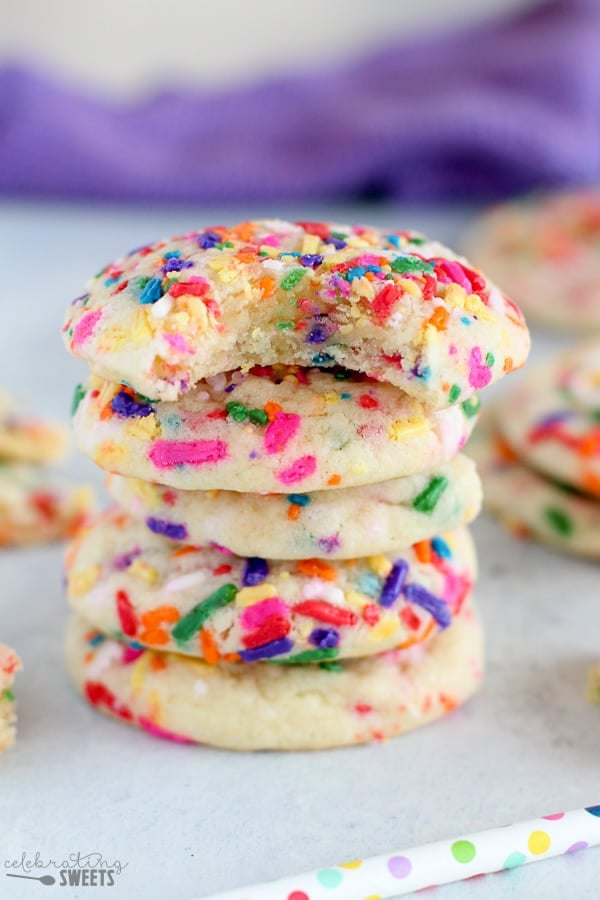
[403, 428]
[141, 332]
[380, 565]
[354, 864]
[354, 240]
[83, 580]
[139, 670]
[112, 339]
[477, 307]
[144, 571]
[333, 259]
[143, 428]
[455, 296]
[156, 712]
[107, 392]
[108, 453]
[228, 275]
[217, 263]
[357, 600]
[149, 494]
[358, 469]
[331, 397]
[386, 627]
[362, 287]
[250, 595]
[310, 243]
[410, 287]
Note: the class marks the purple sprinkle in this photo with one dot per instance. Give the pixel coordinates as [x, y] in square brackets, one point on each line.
[324, 638]
[337, 243]
[208, 239]
[578, 845]
[124, 561]
[176, 265]
[435, 606]
[230, 388]
[331, 543]
[554, 419]
[126, 406]
[394, 583]
[318, 334]
[311, 259]
[167, 529]
[79, 299]
[273, 648]
[255, 571]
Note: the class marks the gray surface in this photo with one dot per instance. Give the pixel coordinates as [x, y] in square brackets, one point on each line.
[191, 821]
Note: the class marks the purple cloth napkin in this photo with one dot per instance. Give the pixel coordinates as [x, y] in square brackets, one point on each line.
[481, 112]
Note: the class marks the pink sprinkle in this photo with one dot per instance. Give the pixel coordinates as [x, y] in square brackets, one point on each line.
[300, 469]
[479, 374]
[85, 327]
[271, 240]
[178, 342]
[254, 616]
[457, 274]
[168, 454]
[554, 817]
[157, 731]
[281, 431]
[130, 654]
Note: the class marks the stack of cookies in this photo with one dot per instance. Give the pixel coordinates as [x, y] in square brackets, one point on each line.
[9, 665]
[281, 408]
[539, 453]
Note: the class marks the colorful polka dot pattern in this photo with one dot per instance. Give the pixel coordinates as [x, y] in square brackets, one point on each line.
[436, 864]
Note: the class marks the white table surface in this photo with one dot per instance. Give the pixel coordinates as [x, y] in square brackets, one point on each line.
[191, 820]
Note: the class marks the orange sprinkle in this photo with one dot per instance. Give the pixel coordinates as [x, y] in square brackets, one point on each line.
[590, 444]
[157, 663]
[183, 551]
[508, 365]
[267, 286]
[271, 409]
[293, 512]
[210, 651]
[317, 568]
[155, 617]
[244, 231]
[370, 276]
[154, 636]
[440, 318]
[232, 657]
[504, 451]
[423, 551]
[106, 413]
[334, 480]
[88, 657]
[591, 483]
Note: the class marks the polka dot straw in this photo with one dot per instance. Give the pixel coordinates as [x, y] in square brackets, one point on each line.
[405, 871]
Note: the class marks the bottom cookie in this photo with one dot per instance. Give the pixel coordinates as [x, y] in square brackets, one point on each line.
[9, 664]
[530, 504]
[274, 706]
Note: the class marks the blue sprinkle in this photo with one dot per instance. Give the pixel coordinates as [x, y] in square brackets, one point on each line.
[324, 638]
[369, 584]
[423, 373]
[110, 281]
[299, 499]
[356, 272]
[466, 320]
[96, 639]
[337, 242]
[435, 606]
[289, 253]
[255, 571]
[126, 406]
[393, 239]
[345, 396]
[593, 810]
[273, 648]
[311, 259]
[394, 583]
[208, 239]
[167, 529]
[172, 254]
[152, 291]
[176, 265]
[441, 548]
[321, 359]
[318, 334]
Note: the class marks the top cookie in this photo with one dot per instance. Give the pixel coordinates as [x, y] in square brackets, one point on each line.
[395, 306]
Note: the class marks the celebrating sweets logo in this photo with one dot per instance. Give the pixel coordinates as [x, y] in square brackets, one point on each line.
[76, 870]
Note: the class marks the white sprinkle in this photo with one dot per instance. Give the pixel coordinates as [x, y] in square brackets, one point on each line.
[200, 686]
[108, 652]
[185, 581]
[317, 589]
[162, 307]
[273, 265]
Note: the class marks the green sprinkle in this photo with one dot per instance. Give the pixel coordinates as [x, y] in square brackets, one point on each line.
[428, 499]
[419, 241]
[404, 264]
[309, 656]
[77, 398]
[342, 376]
[595, 414]
[471, 406]
[237, 411]
[332, 666]
[454, 393]
[195, 619]
[490, 359]
[258, 416]
[559, 521]
[223, 244]
[8, 695]
[292, 278]
[283, 326]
